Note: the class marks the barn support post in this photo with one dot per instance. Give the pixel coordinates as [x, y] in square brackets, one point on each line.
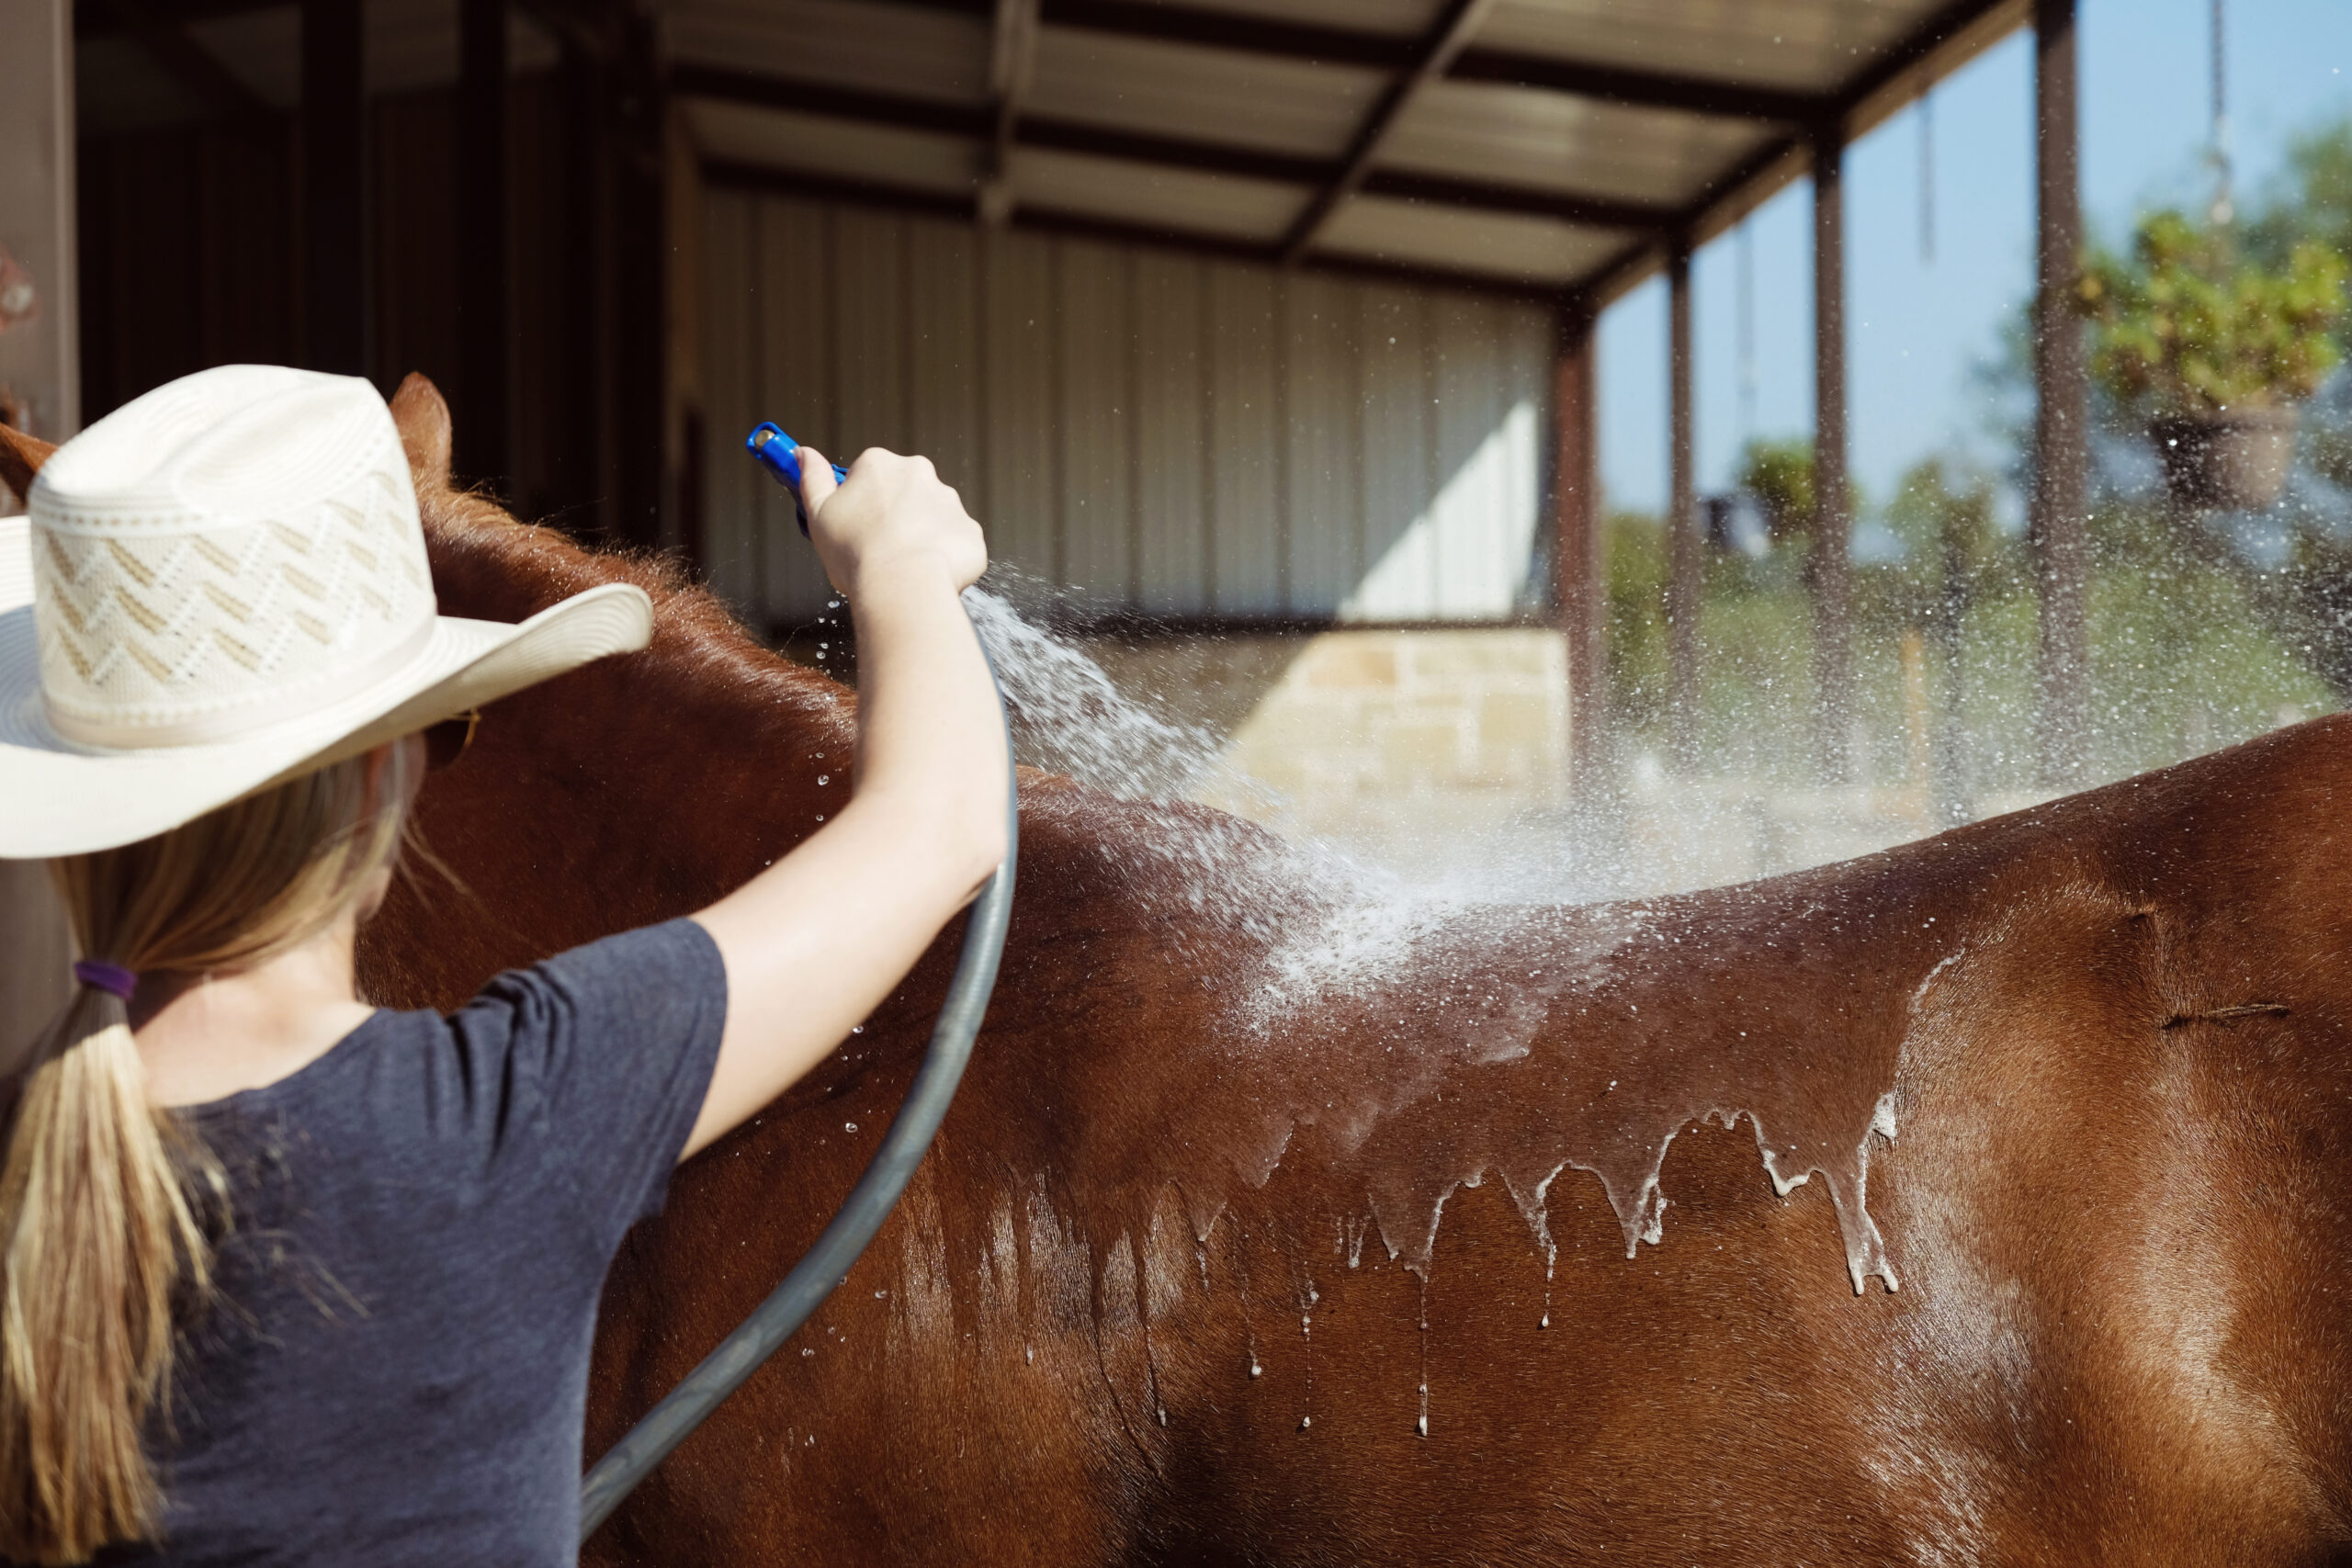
[644, 484]
[1685, 544]
[334, 187]
[482, 415]
[1832, 520]
[1579, 590]
[2058, 528]
[40, 374]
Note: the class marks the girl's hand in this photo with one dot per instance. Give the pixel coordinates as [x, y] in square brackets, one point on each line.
[893, 519]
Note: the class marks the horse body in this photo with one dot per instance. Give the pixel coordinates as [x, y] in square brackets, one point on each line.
[1264, 1232]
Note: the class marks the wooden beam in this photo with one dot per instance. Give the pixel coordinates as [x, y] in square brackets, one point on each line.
[1447, 37]
[334, 187]
[2058, 528]
[1642, 89]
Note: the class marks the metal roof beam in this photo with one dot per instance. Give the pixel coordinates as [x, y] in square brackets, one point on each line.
[1228, 30]
[1012, 65]
[1447, 38]
[1531, 201]
[1953, 34]
[976, 121]
[1645, 89]
[829, 101]
[1177, 23]
[911, 199]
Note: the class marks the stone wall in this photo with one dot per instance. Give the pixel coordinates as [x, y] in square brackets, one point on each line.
[1398, 745]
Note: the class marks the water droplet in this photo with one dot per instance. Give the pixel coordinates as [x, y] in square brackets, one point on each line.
[824, 779]
[1029, 1355]
[849, 1126]
[1422, 1425]
[807, 1352]
[1305, 1422]
[1546, 1323]
[1163, 1415]
[1255, 1369]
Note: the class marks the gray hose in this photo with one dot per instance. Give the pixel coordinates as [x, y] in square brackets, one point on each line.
[803, 1290]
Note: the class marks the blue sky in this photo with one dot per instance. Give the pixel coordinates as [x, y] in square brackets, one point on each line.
[1916, 325]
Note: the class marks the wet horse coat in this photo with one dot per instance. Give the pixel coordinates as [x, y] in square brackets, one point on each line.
[1269, 1231]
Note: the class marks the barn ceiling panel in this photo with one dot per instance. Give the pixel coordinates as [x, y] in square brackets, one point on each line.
[1394, 18]
[1216, 206]
[835, 151]
[914, 51]
[1500, 245]
[1517, 136]
[1211, 95]
[1811, 45]
[1556, 131]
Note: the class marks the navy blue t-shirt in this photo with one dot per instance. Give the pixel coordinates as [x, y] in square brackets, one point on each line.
[394, 1367]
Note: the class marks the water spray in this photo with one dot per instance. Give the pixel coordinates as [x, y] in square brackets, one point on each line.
[827, 1264]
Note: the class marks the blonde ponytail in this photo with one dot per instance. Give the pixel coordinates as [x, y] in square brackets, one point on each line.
[99, 1240]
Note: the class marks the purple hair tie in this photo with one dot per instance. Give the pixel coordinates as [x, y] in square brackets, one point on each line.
[106, 977]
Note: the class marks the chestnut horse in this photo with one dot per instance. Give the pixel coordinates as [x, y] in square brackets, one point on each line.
[1275, 1226]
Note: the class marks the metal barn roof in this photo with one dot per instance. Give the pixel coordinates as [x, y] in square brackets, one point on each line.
[1551, 145]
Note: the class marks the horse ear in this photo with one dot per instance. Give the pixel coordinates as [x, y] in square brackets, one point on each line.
[424, 421]
[22, 456]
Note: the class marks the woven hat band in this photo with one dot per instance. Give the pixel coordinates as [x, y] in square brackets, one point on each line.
[246, 719]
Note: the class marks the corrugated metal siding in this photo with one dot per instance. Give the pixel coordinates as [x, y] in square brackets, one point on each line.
[1179, 436]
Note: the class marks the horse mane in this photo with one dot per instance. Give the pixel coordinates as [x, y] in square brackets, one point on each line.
[597, 746]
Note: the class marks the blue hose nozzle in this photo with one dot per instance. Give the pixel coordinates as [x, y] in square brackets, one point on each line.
[779, 453]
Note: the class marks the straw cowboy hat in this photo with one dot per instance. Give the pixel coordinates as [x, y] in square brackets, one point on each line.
[222, 585]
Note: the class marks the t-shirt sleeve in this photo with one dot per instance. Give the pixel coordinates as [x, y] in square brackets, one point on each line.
[605, 1054]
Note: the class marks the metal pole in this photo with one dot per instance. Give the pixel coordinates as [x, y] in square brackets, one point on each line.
[1684, 543]
[1579, 590]
[334, 187]
[482, 412]
[1832, 655]
[2057, 528]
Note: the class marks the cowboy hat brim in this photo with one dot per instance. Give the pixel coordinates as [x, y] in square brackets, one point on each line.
[59, 797]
